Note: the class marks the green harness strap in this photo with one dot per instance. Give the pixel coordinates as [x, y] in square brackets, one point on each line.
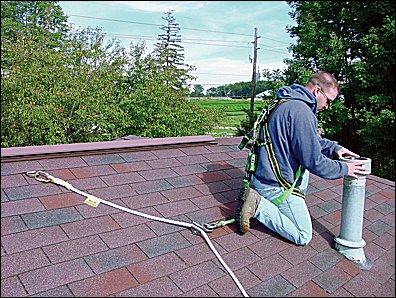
[279, 200]
[252, 159]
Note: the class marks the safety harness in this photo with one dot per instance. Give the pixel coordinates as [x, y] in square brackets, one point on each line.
[252, 141]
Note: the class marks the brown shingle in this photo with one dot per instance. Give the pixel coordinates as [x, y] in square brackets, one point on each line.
[104, 251]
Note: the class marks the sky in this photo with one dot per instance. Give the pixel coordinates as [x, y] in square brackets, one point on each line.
[217, 36]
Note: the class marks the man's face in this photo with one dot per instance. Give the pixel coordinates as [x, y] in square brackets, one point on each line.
[324, 99]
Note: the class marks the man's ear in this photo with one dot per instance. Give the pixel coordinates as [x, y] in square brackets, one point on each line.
[315, 90]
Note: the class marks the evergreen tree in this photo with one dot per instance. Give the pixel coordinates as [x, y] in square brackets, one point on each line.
[170, 54]
[168, 44]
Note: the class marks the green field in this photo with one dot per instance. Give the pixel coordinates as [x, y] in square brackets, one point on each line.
[233, 111]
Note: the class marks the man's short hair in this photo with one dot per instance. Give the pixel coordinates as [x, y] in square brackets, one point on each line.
[325, 80]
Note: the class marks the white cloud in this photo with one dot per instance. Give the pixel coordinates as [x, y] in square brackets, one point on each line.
[221, 71]
[272, 66]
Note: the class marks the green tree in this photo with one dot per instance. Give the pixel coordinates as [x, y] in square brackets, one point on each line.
[158, 105]
[56, 87]
[68, 95]
[273, 80]
[155, 108]
[239, 90]
[198, 91]
[33, 18]
[354, 40]
[84, 90]
[36, 20]
[211, 91]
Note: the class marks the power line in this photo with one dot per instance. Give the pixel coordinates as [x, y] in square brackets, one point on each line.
[159, 25]
[219, 45]
[222, 74]
[186, 40]
[204, 30]
[153, 38]
[114, 20]
[273, 50]
[207, 84]
[275, 40]
[146, 37]
[150, 24]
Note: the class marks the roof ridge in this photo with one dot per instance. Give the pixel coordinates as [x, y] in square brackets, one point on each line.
[49, 151]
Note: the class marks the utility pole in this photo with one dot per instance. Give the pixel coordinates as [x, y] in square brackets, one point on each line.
[253, 75]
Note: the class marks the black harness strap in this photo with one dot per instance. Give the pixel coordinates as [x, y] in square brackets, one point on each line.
[275, 166]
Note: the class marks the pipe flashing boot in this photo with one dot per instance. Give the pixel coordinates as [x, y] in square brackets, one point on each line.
[249, 200]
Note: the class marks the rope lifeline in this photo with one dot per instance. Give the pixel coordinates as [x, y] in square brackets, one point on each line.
[95, 201]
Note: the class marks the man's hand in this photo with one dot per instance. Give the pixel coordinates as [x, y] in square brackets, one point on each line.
[345, 152]
[355, 168]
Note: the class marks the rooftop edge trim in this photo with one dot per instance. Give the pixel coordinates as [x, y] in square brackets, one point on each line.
[29, 151]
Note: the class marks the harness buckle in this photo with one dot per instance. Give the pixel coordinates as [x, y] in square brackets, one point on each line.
[264, 142]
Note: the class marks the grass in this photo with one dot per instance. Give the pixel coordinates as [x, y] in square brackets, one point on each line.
[233, 110]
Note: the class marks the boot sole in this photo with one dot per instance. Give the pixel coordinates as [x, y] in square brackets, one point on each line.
[241, 226]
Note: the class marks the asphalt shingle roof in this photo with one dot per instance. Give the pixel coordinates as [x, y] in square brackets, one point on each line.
[52, 244]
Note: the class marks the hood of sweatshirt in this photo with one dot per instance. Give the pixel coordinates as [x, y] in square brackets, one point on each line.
[298, 92]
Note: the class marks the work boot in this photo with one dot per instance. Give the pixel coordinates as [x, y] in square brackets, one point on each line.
[249, 200]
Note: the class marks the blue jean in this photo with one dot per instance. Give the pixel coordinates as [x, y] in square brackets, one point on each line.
[289, 219]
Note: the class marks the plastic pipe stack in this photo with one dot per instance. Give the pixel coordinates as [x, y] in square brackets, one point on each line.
[350, 242]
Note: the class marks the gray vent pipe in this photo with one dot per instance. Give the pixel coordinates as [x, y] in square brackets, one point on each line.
[350, 242]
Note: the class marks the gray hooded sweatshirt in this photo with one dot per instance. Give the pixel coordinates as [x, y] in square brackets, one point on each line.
[293, 130]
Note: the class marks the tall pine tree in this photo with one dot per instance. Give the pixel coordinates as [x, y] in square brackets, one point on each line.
[170, 53]
[168, 44]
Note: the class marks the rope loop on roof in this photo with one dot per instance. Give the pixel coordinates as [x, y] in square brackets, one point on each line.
[93, 201]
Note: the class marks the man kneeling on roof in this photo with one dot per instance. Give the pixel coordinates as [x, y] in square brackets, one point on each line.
[291, 148]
